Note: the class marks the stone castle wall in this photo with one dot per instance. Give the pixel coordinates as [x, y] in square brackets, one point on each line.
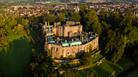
[67, 30]
[72, 30]
[58, 51]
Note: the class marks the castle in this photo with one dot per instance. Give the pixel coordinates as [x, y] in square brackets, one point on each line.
[66, 40]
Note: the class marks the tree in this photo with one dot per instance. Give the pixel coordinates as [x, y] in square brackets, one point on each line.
[88, 58]
[23, 21]
[85, 58]
[119, 49]
[117, 36]
[41, 65]
[75, 17]
[114, 19]
[128, 29]
[91, 22]
[96, 27]
[50, 18]
[60, 17]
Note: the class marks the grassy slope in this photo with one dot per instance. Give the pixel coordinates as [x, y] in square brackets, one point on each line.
[106, 69]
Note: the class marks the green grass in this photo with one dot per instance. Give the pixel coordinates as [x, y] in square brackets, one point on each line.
[100, 72]
[106, 69]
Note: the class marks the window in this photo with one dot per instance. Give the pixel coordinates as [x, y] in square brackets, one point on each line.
[94, 43]
[56, 49]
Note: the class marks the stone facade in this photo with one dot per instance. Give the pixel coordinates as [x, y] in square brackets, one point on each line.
[70, 29]
[69, 40]
[58, 51]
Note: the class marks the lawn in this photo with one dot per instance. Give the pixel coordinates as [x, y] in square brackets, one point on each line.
[106, 69]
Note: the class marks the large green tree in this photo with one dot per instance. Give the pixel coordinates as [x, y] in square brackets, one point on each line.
[75, 17]
[91, 21]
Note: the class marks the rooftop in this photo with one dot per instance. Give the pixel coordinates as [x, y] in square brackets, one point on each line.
[73, 41]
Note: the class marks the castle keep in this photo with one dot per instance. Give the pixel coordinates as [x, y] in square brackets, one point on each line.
[66, 40]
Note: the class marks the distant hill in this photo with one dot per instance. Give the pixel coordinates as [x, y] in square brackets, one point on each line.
[121, 0]
[11, 1]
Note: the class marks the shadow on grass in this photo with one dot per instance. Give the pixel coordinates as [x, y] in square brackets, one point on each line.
[13, 63]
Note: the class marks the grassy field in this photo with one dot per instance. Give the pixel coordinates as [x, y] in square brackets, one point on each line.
[106, 69]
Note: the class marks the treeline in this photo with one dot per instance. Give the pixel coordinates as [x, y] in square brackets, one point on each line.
[12, 28]
[119, 31]
[15, 45]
